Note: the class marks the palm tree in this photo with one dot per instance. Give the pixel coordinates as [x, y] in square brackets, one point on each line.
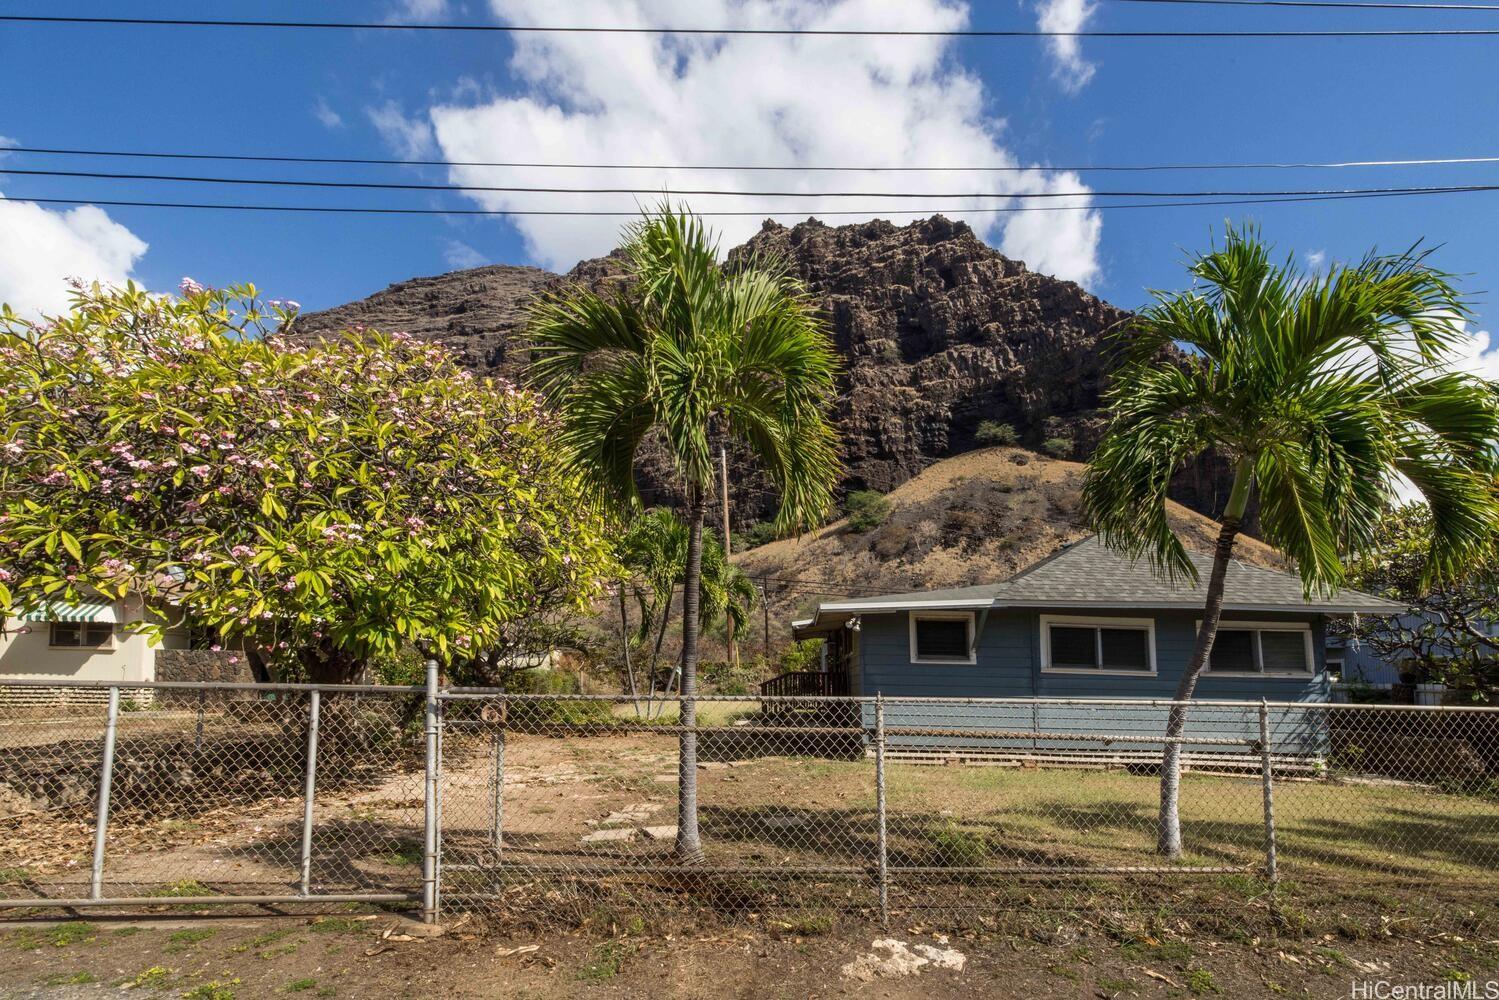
[1320, 391]
[654, 549]
[691, 352]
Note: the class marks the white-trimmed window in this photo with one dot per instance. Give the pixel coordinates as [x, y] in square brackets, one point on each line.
[87, 635]
[942, 637]
[1097, 645]
[1267, 649]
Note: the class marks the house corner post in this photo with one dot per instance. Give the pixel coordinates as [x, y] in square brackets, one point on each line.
[309, 794]
[882, 840]
[429, 802]
[1268, 784]
[106, 775]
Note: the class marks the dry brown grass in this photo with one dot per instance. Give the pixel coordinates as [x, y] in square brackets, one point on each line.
[979, 517]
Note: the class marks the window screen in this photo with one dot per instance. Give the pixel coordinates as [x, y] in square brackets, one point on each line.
[1283, 652]
[1233, 652]
[1125, 649]
[1073, 647]
[942, 638]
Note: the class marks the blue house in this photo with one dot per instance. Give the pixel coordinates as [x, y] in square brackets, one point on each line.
[1085, 623]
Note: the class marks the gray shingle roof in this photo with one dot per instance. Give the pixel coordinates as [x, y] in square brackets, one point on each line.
[1088, 574]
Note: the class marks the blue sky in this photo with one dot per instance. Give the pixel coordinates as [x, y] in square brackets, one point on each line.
[613, 98]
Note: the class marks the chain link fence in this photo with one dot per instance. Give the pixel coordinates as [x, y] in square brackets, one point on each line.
[936, 810]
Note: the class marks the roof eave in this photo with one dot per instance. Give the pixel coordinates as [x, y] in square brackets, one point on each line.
[966, 604]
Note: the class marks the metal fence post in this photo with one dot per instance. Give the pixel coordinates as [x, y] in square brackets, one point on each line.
[879, 796]
[429, 802]
[314, 709]
[497, 817]
[1269, 789]
[106, 775]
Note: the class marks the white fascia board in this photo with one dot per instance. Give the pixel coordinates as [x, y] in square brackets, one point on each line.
[963, 605]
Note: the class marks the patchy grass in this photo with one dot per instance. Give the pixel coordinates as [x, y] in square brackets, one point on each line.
[300, 985]
[959, 846]
[56, 936]
[264, 940]
[605, 962]
[184, 939]
[402, 852]
[1200, 982]
[709, 713]
[75, 979]
[10, 876]
[336, 925]
[809, 924]
[152, 978]
[214, 990]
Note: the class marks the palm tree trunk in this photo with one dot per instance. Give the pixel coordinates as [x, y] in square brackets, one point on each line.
[1168, 827]
[689, 848]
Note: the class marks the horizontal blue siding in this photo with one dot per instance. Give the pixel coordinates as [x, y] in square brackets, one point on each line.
[1009, 667]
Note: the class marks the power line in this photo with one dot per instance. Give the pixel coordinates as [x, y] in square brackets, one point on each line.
[727, 192]
[635, 213]
[750, 32]
[543, 165]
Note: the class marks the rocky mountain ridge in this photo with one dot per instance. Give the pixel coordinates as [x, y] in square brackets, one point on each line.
[938, 332]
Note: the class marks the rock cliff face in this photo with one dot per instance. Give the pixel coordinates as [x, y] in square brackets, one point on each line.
[940, 332]
[937, 330]
[479, 313]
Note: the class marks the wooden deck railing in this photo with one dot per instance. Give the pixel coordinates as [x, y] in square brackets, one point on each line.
[805, 682]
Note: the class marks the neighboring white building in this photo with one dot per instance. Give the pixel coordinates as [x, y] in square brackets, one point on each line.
[87, 640]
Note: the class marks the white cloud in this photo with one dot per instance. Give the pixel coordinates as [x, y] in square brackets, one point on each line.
[750, 100]
[418, 10]
[1315, 259]
[410, 138]
[1068, 67]
[461, 256]
[325, 114]
[43, 248]
[1479, 354]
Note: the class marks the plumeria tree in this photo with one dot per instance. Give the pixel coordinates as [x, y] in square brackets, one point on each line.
[319, 502]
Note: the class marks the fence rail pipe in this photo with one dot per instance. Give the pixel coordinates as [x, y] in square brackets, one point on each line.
[882, 841]
[314, 709]
[429, 802]
[1268, 784]
[106, 777]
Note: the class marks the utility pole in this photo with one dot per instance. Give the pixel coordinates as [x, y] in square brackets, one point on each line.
[765, 609]
[728, 546]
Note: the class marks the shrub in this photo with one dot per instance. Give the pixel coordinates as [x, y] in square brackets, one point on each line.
[959, 847]
[799, 656]
[1058, 447]
[992, 432]
[867, 510]
[757, 534]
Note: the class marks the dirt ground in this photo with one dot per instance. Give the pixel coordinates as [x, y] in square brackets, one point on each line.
[364, 955]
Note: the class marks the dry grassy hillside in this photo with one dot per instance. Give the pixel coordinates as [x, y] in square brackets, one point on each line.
[976, 518]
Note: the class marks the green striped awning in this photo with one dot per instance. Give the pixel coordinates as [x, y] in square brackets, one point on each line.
[83, 611]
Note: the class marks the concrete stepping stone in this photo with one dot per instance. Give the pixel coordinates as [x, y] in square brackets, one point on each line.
[617, 835]
[660, 832]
